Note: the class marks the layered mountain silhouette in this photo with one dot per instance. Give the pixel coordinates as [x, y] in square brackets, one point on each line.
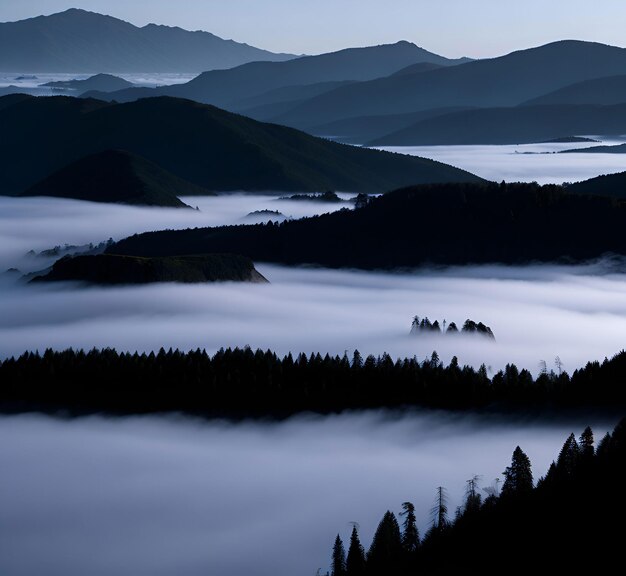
[513, 125]
[232, 89]
[505, 81]
[116, 176]
[204, 145]
[101, 82]
[448, 224]
[81, 41]
[600, 91]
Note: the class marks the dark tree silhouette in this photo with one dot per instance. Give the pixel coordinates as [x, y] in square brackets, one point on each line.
[385, 553]
[518, 477]
[338, 559]
[586, 442]
[410, 533]
[355, 563]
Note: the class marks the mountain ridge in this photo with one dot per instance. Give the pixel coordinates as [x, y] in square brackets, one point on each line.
[78, 41]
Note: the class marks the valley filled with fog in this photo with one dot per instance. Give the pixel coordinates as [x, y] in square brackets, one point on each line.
[536, 312]
[541, 163]
[159, 495]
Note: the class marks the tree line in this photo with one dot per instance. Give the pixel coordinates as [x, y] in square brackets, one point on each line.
[568, 523]
[240, 383]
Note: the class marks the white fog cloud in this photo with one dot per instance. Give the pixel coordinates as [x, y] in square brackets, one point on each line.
[513, 163]
[536, 313]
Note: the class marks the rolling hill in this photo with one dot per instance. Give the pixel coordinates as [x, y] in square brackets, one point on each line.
[107, 269]
[445, 224]
[207, 146]
[513, 125]
[81, 41]
[116, 176]
[102, 82]
[599, 91]
[613, 185]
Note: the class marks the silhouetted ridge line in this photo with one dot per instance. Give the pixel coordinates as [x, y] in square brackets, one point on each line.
[240, 383]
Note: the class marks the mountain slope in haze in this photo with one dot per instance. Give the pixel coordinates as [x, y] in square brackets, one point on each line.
[505, 81]
[448, 224]
[599, 91]
[613, 185]
[611, 149]
[227, 88]
[101, 82]
[81, 41]
[108, 269]
[368, 128]
[212, 148]
[515, 125]
[116, 176]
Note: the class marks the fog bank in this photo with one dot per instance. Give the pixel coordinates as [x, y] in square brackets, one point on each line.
[42, 223]
[524, 163]
[536, 313]
[155, 496]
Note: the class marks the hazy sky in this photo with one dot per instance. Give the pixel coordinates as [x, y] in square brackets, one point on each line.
[480, 28]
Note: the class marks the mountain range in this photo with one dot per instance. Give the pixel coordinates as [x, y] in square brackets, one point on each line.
[288, 83]
[206, 146]
[401, 94]
[81, 41]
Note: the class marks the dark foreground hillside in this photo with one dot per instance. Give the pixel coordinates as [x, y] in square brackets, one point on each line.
[568, 523]
[435, 224]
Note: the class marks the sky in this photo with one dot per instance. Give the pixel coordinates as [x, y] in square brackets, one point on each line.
[453, 28]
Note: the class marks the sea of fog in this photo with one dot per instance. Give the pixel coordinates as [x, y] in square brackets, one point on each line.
[537, 313]
[32, 82]
[525, 162]
[162, 496]
[158, 496]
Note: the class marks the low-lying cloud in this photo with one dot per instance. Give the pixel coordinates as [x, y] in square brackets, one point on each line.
[524, 163]
[42, 223]
[536, 313]
[156, 496]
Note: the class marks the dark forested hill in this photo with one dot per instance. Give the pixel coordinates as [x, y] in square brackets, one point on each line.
[81, 41]
[207, 146]
[432, 224]
[613, 185]
[108, 269]
[116, 176]
[531, 524]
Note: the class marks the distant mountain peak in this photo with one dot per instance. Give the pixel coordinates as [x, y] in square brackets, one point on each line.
[80, 41]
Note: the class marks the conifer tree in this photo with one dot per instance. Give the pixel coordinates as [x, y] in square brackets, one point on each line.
[518, 477]
[385, 553]
[410, 533]
[339, 558]
[569, 456]
[355, 563]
